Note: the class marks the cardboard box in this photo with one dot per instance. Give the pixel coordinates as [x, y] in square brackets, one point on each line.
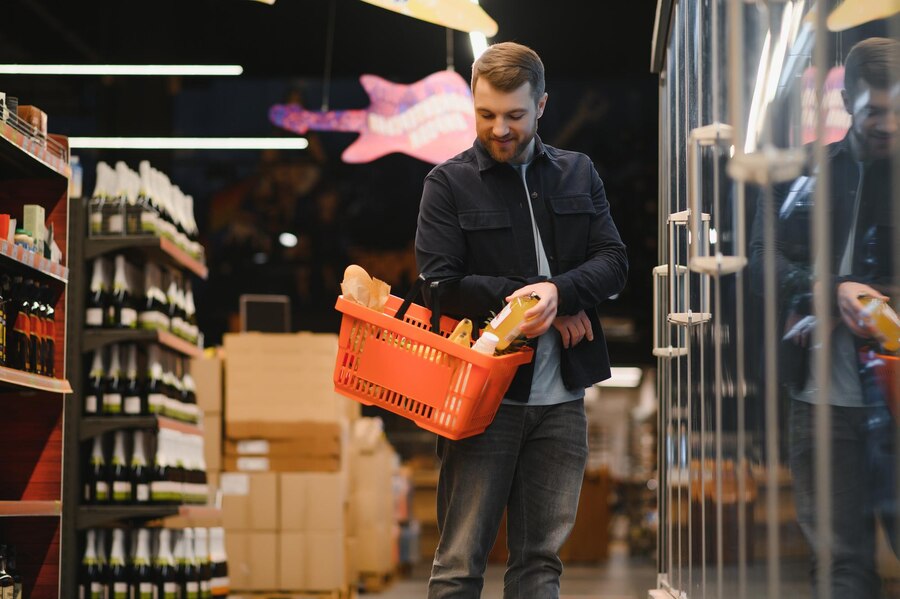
[313, 561]
[313, 502]
[281, 378]
[249, 501]
[212, 440]
[375, 548]
[282, 464]
[252, 560]
[208, 378]
[286, 438]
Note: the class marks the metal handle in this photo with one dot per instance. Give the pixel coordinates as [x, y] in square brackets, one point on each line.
[680, 311]
[662, 345]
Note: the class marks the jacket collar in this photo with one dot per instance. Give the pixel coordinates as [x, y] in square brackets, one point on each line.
[485, 161]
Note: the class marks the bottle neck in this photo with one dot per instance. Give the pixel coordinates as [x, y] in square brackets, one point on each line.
[117, 554]
[142, 552]
[118, 457]
[97, 452]
[138, 455]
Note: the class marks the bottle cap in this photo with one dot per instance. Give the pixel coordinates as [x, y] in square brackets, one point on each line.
[486, 344]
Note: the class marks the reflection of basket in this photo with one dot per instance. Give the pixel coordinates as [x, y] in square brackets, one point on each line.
[401, 366]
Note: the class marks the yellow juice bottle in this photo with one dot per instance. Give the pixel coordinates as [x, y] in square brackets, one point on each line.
[507, 325]
[884, 320]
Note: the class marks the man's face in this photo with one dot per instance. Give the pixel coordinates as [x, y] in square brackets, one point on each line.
[506, 121]
[875, 116]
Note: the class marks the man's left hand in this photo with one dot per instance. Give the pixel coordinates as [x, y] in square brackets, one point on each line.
[539, 318]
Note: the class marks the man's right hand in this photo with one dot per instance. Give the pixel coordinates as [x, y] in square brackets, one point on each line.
[852, 310]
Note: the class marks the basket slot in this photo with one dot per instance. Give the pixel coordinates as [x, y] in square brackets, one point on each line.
[425, 381]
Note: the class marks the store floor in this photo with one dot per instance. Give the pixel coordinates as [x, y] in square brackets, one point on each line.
[619, 578]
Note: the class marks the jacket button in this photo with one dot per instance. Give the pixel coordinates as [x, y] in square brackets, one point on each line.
[533, 195]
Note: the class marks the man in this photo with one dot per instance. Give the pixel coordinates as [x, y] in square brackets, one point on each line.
[862, 201]
[513, 216]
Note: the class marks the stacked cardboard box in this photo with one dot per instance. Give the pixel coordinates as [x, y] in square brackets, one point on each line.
[287, 459]
[208, 376]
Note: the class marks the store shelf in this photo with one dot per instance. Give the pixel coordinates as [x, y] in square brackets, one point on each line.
[33, 261]
[92, 516]
[97, 338]
[10, 377]
[29, 156]
[30, 508]
[97, 425]
[159, 249]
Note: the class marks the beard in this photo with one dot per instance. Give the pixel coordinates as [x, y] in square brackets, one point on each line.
[514, 151]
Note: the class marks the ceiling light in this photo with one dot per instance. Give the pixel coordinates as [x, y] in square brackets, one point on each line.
[190, 143]
[121, 69]
[288, 240]
[479, 44]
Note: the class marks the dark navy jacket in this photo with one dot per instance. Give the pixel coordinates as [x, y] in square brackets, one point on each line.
[473, 221]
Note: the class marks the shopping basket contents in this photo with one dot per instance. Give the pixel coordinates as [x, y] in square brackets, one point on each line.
[359, 287]
[393, 360]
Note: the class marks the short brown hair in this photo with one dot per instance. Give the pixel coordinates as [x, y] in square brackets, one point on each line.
[507, 66]
[873, 60]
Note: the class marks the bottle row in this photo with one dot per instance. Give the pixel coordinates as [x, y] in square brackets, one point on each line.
[125, 296]
[27, 325]
[118, 471]
[10, 579]
[123, 381]
[126, 202]
[162, 563]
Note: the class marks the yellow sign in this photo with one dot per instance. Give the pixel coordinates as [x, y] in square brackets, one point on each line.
[463, 15]
[853, 13]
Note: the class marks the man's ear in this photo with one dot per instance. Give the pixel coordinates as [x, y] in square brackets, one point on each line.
[846, 98]
[542, 103]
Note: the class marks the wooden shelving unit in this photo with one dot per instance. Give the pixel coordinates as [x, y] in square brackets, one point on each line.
[96, 338]
[35, 171]
[97, 425]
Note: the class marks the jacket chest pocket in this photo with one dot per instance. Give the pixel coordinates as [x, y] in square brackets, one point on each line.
[572, 214]
[490, 243]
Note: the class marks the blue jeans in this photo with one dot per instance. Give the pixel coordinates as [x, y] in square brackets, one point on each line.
[862, 490]
[531, 461]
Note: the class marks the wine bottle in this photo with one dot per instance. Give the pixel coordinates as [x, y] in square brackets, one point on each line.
[145, 201]
[97, 203]
[154, 309]
[134, 402]
[13, 570]
[220, 584]
[36, 340]
[155, 389]
[120, 472]
[113, 209]
[114, 386]
[95, 313]
[21, 345]
[141, 583]
[188, 581]
[117, 573]
[102, 561]
[166, 583]
[49, 332]
[4, 318]
[506, 325]
[161, 483]
[7, 584]
[140, 471]
[190, 313]
[93, 393]
[121, 312]
[201, 555]
[96, 485]
[90, 579]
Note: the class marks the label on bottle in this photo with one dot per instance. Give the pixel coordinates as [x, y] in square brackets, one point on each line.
[112, 403]
[101, 490]
[96, 222]
[119, 590]
[121, 490]
[205, 588]
[497, 320]
[142, 492]
[94, 317]
[170, 590]
[156, 403]
[128, 317]
[145, 590]
[97, 591]
[90, 404]
[7, 592]
[116, 223]
[193, 589]
[220, 585]
[132, 405]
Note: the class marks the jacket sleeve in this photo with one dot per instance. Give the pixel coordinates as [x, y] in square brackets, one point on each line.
[603, 273]
[441, 252]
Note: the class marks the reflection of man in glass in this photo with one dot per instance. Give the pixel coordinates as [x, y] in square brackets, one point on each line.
[861, 436]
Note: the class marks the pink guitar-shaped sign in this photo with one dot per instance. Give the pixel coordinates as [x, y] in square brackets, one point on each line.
[431, 119]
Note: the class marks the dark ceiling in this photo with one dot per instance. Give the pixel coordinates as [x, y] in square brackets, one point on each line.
[576, 38]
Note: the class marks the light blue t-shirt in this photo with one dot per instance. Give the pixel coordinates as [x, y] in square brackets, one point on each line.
[547, 386]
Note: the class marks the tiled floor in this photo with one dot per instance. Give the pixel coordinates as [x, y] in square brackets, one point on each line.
[619, 578]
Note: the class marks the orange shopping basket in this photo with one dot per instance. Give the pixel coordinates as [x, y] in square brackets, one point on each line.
[401, 366]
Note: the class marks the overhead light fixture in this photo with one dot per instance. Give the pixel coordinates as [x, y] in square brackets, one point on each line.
[288, 240]
[189, 143]
[122, 69]
[478, 41]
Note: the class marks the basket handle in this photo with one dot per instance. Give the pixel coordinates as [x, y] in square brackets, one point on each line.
[434, 284]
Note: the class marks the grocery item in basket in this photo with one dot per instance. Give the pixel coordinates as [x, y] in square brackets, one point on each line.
[462, 334]
[359, 287]
[884, 320]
